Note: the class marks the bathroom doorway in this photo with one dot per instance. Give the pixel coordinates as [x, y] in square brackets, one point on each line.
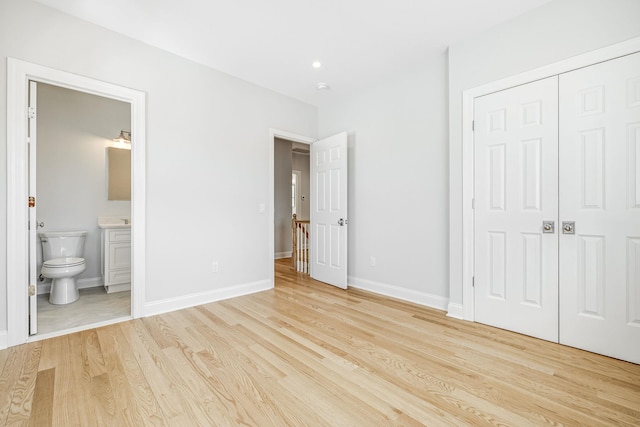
[75, 182]
[19, 75]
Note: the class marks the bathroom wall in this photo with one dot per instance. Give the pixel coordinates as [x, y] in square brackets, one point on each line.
[74, 129]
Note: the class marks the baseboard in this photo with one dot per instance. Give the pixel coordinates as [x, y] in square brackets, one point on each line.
[90, 282]
[428, 300]
[280, 255]
[3, 340]
[455, 310]
[173, 304]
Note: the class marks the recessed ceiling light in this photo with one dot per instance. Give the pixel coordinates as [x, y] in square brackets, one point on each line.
[316, 64]
[323, 86]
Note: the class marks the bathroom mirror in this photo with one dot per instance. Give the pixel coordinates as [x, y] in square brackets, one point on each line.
[118, 174]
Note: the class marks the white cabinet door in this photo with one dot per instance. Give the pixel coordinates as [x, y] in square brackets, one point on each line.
[516, 167]
[600, 192]
[329, 210]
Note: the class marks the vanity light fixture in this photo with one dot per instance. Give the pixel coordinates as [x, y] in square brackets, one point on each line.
[124, 137]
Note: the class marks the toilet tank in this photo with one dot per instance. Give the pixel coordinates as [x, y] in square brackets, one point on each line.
[62, 244]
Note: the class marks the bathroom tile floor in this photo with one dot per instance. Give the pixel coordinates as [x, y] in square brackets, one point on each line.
[94, 305]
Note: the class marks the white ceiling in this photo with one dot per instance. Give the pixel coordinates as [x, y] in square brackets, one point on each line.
[272, 43]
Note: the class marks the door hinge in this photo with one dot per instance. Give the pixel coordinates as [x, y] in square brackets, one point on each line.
[473, 281]
[32, 202]
[473, 125]
[473, 203]
[32, 290]
[31, 113]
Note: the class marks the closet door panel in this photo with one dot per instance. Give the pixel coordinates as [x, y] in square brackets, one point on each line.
[599, 179]
[516, 164]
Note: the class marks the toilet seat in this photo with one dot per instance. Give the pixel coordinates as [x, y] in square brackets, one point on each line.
[64, 262]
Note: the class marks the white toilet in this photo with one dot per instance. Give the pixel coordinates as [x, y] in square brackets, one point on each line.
[62, 253]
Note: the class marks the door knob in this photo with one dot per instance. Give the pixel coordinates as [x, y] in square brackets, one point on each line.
[568, 227]
[548, 227]
[341, 222]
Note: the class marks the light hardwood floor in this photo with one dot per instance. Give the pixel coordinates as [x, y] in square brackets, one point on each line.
[309, 354]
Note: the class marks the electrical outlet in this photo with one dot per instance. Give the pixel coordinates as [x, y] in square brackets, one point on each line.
[372, 261]
[214, 267]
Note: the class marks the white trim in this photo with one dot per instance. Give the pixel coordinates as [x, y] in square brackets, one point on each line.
[18, 75]
[273, 134]
[468, 96]
[416, 297]
[455, 311]
[186, 301]
[3, 340]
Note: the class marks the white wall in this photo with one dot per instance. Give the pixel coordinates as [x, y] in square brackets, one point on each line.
[206, 157]
[74, 129]
[553, 32]
[398, 194]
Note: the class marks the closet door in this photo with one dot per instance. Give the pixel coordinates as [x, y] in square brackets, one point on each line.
[516, 190]
[600, 192]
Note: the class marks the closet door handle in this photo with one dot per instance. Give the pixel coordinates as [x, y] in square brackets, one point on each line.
[568, 227]
[548, 227]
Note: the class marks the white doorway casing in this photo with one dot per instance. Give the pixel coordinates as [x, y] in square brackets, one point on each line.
[593, 253]
[19, 73]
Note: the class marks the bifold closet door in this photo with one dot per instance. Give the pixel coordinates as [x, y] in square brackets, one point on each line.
[516, 182]
[600, 192]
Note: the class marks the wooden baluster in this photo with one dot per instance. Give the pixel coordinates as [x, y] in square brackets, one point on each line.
[300, 249]
[303, 247]
[293, 241]
[306, 248]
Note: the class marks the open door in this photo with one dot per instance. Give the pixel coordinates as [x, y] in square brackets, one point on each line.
[329, 210]
[33, 235]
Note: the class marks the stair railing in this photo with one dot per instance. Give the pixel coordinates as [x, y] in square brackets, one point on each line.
[300, 244]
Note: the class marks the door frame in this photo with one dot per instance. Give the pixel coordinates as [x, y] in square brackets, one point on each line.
[19, 73]
[466, 262]
[273, 134]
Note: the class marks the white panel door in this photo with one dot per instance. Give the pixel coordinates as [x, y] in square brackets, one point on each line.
[329, 210]
[33, 237]
[600, 192]
[516, 175]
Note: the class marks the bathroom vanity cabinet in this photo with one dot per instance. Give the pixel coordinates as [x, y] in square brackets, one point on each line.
[116, 259]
